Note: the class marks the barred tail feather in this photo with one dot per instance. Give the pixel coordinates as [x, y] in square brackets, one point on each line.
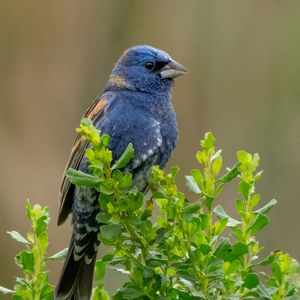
[76, 280]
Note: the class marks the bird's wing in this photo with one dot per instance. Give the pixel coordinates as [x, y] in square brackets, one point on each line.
[95, 113]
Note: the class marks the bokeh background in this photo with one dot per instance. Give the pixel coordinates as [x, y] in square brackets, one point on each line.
[243, 84]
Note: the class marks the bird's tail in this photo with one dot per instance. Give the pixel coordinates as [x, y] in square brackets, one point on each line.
[76, 280]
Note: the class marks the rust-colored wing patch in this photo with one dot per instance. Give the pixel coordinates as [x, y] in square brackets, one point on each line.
[94, 112]
[99, 106]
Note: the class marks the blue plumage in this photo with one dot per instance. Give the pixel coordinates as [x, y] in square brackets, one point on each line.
[134, 107]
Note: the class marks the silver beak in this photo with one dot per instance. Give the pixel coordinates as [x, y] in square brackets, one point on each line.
[172, 70]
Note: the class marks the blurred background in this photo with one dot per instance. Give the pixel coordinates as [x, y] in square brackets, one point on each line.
[243, 84]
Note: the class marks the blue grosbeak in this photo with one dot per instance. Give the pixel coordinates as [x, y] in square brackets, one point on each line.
[134, 107]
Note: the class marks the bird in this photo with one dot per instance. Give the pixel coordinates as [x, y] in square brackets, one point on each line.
[135, 107]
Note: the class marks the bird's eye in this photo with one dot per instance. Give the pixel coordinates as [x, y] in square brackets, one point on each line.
[150, 65]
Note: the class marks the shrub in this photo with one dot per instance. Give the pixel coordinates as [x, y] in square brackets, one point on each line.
[184, 250]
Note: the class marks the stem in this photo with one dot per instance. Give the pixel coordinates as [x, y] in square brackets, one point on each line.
[199, 276]
[209, 228]
[37, 266]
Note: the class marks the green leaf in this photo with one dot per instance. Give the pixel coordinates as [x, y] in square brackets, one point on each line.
[132, 202]
[127, 181]
[28, 208]
[99, 293]
[236, 251]
[240, 206]
[268, 260]
[217, 165]
[115, 219]
[245, 189]
[111, 231]
[189, 210]
[186, 296]
[220, 212]
[108, 257]
[197, 175]
[254, 200]
[103, 217]
[192, 185]
[103, 201]
[187, 274]
[251, 281]
[277, 271]
[255, 161]
[156, 262]
[267, 207]
[106, 189]
[203, 221]
[258, 223]
[125, 158]
[232, 267]
[237, 231]
[208, 201]
[208, 142]
[105, 138]
[5, 290]
[80, 178]
[174, 171]
[117, 176]
[41, 224]
[230, 174]
[131, 293]
[263, 292]
[215, 267]
[258, 176]
[133, 220]
[223, 247]
[147, 272]
[204, 248]
[100, 269]
[244, 157]
[219, 227]
[18, 237]
[202, 157]
[61, 255]
[25, 260]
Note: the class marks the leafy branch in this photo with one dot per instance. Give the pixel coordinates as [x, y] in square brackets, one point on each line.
[34, 285]
[167, 247]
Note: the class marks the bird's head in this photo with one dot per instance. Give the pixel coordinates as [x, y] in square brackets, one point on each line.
[147, 69]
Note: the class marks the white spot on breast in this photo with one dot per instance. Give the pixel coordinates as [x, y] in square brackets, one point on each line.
[155, 123]
[150, 152]
[136, 163]
[159, 140]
